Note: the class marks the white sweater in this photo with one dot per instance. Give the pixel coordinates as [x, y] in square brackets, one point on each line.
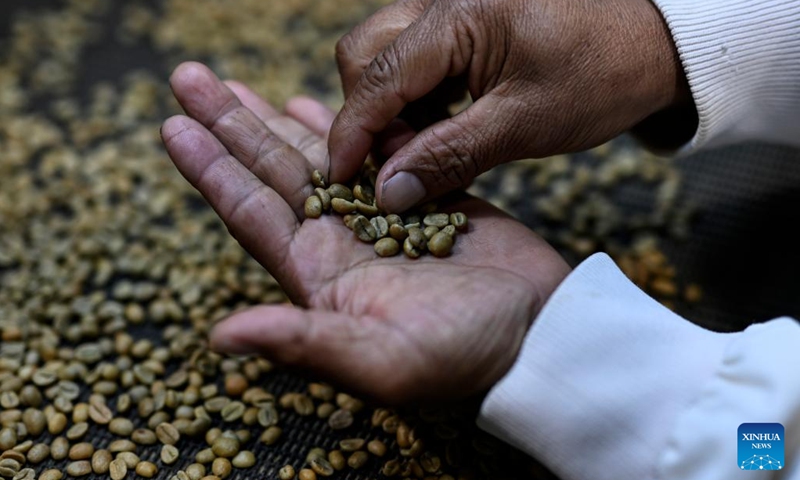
[611, 385]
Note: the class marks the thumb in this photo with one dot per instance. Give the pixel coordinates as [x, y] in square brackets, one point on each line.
[361, 353]
[450, 154]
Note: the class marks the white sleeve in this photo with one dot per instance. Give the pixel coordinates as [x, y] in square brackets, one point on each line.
[742, 61]
[609, 384]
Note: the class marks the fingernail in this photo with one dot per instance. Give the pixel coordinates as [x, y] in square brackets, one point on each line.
[402, 192]
[328, 167]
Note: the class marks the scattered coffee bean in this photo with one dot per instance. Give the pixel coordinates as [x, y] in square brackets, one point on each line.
[340, 419]
[313, 207]
[38, 453]
[221, 467]
[101, 461]
[441, 244]
[271, 435]
[196, 471]
[52, 474]
[146, 469]
[81, 451]
[118, 469]
[377, 448]
[357, 459]
[225, 447]
[321, 467]
[286, 472]
[244, 459]
[307, 474]
[79, 469]
[169, 454]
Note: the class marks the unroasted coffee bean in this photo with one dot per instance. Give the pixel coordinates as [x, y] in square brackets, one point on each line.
[307, 474]
[244, 459]
[377, 448]
[221, 467]
[364, 229]
[101, 461]
[429, 232]
[52, 474]
[118, 469]
[144, 436]
[34, 421]
[196, 471]
[340, 419]
[380, 225]
[205, 456]
[430, 463]
[387, 247]
[169, 454]
[391, 468]
[225, 447]
[459, 221]
[167, 433]
[8, 438]
[439, 220]
[324, 410]
[357, 459]
[79, 469]
[100, 413]
[120, 426]
[337, 190]
[324, 197]
[351, 444]
[267, 415]
[59, 448]
[342, 206]
[286, 472]
[25, 474]
[81, 451]
[313, 207]
[449, 230]
[410, 250]
[366, 209]
[321, 467]
[303, 405]
[416, 238]
[398, 232]
[55, 425]
[121, 445]
[337, 460]
[38, 453]
[146, 469]
[317, 179]
[315, 452]
[77, 431]
[130, 459]
[271, 435]
[440, 245]
[26, 445]
[364, 194]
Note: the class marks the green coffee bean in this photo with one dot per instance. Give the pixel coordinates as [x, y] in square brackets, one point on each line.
[101, 461]
[338, 190]
[357, 459]
[321, 466]
[317, 179]
[364, 229]
[144, 436]
[340, 419]
[380, 225]
[342, 206]
[459, 221]
[52, 474]
[59, 448]
[286, 472]
[429, 232]
[221, 467]
[313, 207]
[351, 444]
[225, 447]
[146, 469]
[118, 469]
[366, 209]
[167, 433]
[441, 244]
[169, 454]
[398, 232]
[410, 250]
[80, 468]
[307, 474]
[337, 460]
[77, 431]
[204, 456]
[439, 220]
[196, 471]
[120, 426]
[81, 451]
[324, 197]
[364, 194]
[271, 435]
[244, 459]
[129, 458]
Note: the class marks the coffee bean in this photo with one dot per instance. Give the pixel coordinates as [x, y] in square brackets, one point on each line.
[38, 453]
[34, 421]
[167, 433]
[338, 190]
[59, 448]
[8, 437]
[430, 463]
[221, 467]
[169, 454]
[398, 232]
[225, 447]
[459, 221]
[439, 220]
[271, 435]
[379, 415]
[100, 413]
[440, 245]
[324, 197]
[391, 468]
[52, 474]
[196, 471]
[77, 431]
[429, 232]
[79, 469]
[81, 451]
[410, 250]
[120, 426]
[321, 467]
[55, 425]
[364, 194]
[101, 461]
[380, 225]
[267, 415]
[244, 459]
[377, 448]
[340, 419]
[336, 459]
[205, 456]
[317, 179]
[342, 206]
[118, 469]
[363, 229]
[144, 436]
[9, 400]
[303, 405]
[387, 247]
[307, 474]
[129, 458]
[313, 207]
[449, 230]
[324, 410]
[121, 445]
[351, 444]
[286, 472]
[366, 209]
[25, 474]
[146, 469]
[357, 459]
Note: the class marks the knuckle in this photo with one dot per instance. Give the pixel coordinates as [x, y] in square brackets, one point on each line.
[345, 48]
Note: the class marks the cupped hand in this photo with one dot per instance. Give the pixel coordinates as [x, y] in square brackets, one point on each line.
[547, 77]
[394, 328]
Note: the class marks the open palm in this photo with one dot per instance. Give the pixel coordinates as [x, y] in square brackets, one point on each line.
[395, 328]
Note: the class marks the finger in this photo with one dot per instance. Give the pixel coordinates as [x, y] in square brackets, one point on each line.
[359, 352]
[313, 146]
[450, 154]
[254, 213]
[315, 115]
[355, 51]
[209, 101]
[413, 65]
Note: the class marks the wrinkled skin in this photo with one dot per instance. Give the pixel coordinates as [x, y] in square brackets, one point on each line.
[393, 328]
[547, 76]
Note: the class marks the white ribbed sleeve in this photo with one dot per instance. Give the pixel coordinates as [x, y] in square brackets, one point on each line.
[610, 385]
[742, 60]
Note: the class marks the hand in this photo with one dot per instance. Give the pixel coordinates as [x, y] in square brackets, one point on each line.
[394, 328]
[547, 77]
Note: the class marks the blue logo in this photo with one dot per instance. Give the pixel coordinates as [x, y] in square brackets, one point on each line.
[761, 446]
